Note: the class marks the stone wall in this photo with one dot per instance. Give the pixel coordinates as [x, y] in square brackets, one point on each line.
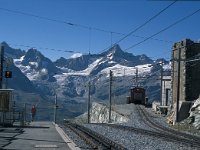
[100, 113]
[187, 76]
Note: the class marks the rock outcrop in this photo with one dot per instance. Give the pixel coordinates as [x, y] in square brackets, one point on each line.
[195, 114]
[99, 114]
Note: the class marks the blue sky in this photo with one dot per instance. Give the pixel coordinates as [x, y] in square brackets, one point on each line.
[121, 16]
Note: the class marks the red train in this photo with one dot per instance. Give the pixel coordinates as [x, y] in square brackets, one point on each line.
[137, 96]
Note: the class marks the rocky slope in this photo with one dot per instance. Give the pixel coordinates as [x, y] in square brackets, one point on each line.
[195, 114]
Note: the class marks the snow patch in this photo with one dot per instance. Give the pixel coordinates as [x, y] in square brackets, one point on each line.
[110, 56]
[43, 71]
[76, 55]
[87, 71]
[112, 62]
[167, 67]
[34, 64]
[120, 70]
[18, 60]
[61, 78]
[31, 74]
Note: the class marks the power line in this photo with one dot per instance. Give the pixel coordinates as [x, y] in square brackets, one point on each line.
[52, 49]
[142, 24]
[168, 27]
[156, 39]
[73, 24]
[134, 35]
[57, 21]
[45, 48]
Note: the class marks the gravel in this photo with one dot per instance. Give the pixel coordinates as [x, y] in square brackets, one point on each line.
[135, 141]
[160, 119]
[134, 118]
[131, 140]
[183, 126]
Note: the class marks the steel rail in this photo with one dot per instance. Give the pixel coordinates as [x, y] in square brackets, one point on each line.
[158, 126]
[190, 139]
[94, 139]
[168, 137]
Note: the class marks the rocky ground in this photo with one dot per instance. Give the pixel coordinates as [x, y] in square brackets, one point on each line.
[135, 141]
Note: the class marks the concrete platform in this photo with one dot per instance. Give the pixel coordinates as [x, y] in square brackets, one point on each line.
[37, 136]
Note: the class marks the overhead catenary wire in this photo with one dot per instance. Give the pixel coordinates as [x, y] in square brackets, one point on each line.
[168, 27]
[71, 24]
[73, 51]
[69, 51]
[174, 49]
[145, 23]
[45, 48]
[74, 24]
[57, 21]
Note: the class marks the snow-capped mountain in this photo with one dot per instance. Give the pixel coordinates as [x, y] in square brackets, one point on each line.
[106, 59]
[37, 67]
[69, 77]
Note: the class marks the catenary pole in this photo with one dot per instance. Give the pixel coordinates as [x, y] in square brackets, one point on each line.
[110, 95]
[55, 109]
[161, 82]
[1, 67]
[89, 85]
[136, 77]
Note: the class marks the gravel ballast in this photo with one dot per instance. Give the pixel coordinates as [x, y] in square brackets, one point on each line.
[133, 140]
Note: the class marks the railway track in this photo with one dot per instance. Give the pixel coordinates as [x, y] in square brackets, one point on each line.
[98, 141]
[167, 137]
[92, 138]
[187, 138]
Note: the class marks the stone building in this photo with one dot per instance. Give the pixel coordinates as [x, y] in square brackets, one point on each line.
[185, 77]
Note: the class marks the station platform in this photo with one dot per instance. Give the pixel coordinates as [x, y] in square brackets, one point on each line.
[37, 136]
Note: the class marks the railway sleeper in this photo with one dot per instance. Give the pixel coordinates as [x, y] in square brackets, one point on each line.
[107, 142]
[170, 132]
[87, 139]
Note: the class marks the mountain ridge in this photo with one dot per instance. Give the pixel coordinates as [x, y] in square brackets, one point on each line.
[68, 78]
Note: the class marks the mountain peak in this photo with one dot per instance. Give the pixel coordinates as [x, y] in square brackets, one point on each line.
[115, 49]
[4, 44]
[11, 52]
[33, 53]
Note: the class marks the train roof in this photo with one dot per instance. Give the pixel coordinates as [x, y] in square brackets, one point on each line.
[138, 88]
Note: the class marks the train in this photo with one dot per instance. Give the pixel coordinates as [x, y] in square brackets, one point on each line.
[138, 96]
